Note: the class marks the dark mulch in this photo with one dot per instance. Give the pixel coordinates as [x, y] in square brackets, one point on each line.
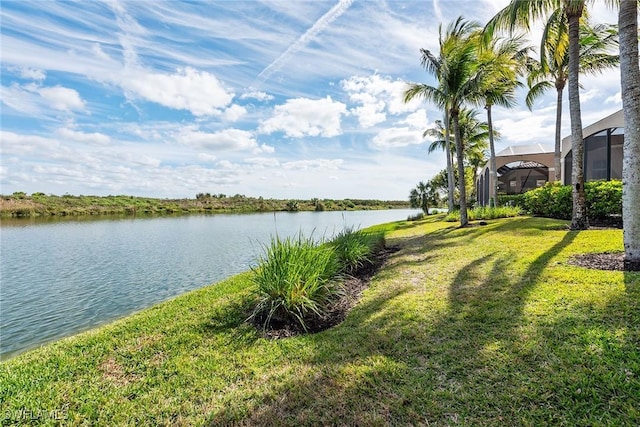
[613, 221]
[607, 261]
[353, 286]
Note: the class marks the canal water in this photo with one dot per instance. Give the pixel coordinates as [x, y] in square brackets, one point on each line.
[60, 277]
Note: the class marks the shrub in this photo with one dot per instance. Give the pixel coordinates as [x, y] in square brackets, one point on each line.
[554, 200]
[295, 280]
[416, 217]
[355, 249]
[604, 198]
[511, 200]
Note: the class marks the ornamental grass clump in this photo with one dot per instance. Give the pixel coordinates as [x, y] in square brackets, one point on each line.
[296, 280]
[356, 249]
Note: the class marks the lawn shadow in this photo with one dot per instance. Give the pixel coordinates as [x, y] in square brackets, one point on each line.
[409, 365]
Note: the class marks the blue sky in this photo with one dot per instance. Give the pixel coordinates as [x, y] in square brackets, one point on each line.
[282, 99]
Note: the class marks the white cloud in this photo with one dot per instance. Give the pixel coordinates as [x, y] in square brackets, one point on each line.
[264, 148]
[99, 53]
[234, 113]
[313, 164]
[20, 99]
[614, 99]
[225, 164]
[14, 143]
[519, 125]
[263, 162]
[34, 99]
[397, 137]
[377, 96]
[417, 120]
[62, 98]
[129, 157]
[228, 139]
[32, 73]
[199, 92]
[303, 116]
[259, 95]
[91, 138]
[205, 157]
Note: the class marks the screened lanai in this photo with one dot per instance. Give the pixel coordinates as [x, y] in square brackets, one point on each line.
[603, 142]
[520, 168]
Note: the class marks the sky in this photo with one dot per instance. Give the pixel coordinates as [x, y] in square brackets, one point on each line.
[280, 99]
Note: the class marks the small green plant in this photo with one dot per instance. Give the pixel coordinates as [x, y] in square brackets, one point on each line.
[295, 280]
[355, 249]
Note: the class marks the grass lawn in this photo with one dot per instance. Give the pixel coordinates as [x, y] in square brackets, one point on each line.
[487, 325]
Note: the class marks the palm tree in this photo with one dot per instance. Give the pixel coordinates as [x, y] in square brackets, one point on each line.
[503, 60]
[552, 69]
[630, 84]
[458, 83]
[523, 13]
[474, 134]
[434, 65]
[439, 132]
[422, 195]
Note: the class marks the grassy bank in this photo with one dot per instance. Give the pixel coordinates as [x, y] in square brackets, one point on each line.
[478, 326]
[38, 204]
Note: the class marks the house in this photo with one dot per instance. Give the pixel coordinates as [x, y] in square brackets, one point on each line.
[524, 167]
[520, 168]
[602, 150]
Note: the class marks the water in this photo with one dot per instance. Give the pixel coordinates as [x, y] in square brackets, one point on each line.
[58, 278]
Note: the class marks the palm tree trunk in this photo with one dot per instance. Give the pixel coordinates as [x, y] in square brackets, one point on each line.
[460, 160]
[630, 83]
[558, 149]
[493, 170]
[579, 220]
[450, 176]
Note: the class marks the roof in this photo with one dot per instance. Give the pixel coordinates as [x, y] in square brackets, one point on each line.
[519, 150]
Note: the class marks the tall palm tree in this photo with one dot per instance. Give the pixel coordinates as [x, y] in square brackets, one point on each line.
[503, 59]
[434, 65]
[458, 83]
[523, 13]
[474, 134]
[596, 54]
[630, 84]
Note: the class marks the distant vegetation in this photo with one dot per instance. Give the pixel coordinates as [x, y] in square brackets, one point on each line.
[19, 204]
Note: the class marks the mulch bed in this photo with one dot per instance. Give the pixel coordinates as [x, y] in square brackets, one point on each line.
[337, 312]
[606, 261]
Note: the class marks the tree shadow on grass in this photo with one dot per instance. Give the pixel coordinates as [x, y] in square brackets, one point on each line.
[476, 361]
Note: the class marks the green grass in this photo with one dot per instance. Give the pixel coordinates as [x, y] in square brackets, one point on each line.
[483, 212]
[478, 326]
